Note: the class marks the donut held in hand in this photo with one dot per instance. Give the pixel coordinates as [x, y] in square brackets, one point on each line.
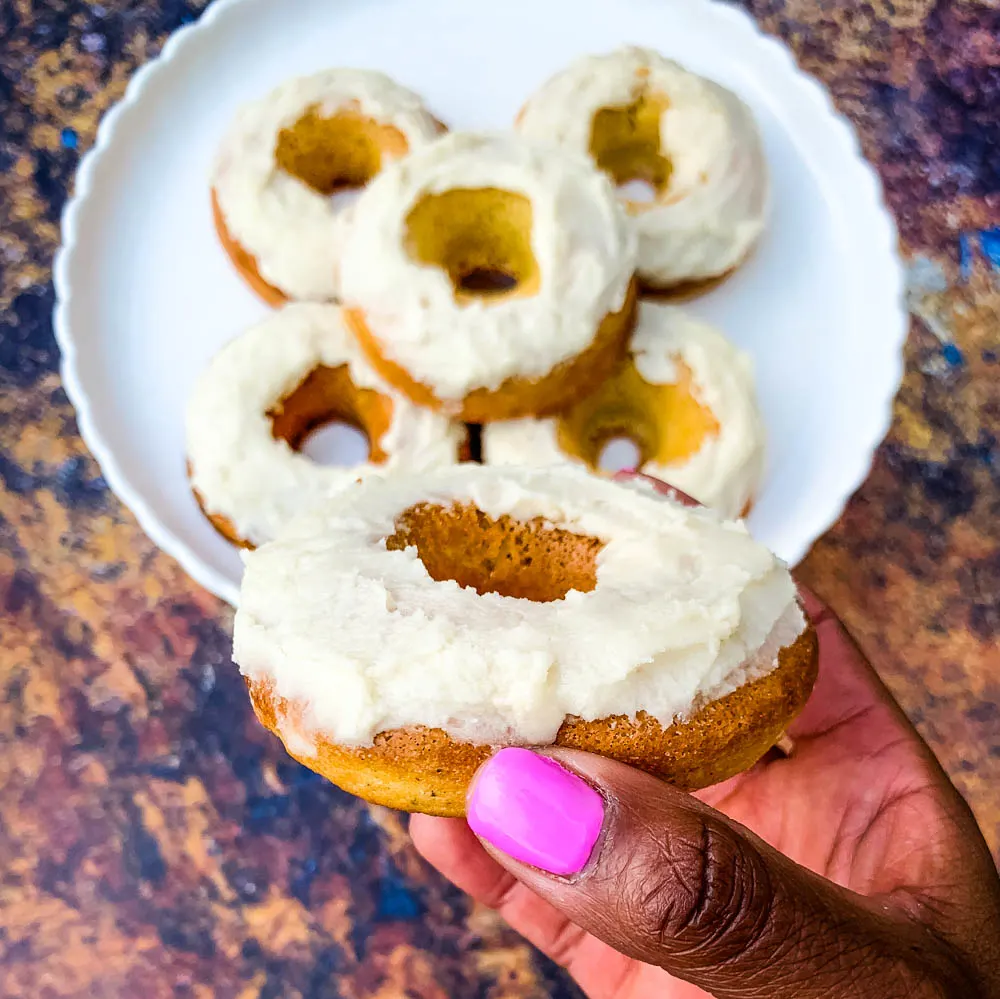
[396, 636]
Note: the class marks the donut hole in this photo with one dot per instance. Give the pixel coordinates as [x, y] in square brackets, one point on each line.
[336, 443]
[619, 454]
[531, 560]
[638, 192]
[480, 237]
[473, 447]
[663, 423]
[328, 399]
[338, 153]
[483, 281]
[625, 144]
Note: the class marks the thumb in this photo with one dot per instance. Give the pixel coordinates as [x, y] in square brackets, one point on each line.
[665, 879]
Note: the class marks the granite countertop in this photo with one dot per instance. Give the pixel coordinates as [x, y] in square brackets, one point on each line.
[154, 840]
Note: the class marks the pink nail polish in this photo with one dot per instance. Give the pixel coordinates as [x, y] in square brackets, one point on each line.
[536, 811]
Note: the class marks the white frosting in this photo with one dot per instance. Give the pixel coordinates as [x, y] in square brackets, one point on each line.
[725, 472]
[296, 234]
[715, 203]
[581, 240]
[687, 607]
[259, 483]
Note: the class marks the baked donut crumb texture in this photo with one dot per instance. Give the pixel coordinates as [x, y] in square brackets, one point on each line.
[245, 262]
[667, 423]
[336, 152]
[426, 770]
[531, 560]
[517, 396]
[329, 395]
[481, 237]
[625, 143]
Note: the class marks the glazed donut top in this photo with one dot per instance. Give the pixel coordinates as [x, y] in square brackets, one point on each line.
[560, 219]
[295, 232]
[713, 205]
[257, 481]
[724, 472]
[374, 633]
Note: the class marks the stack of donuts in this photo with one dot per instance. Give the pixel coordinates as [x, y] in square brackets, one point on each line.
[489, 310]
[500, 297]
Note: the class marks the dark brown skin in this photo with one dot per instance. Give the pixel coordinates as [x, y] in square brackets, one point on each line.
[850, 868]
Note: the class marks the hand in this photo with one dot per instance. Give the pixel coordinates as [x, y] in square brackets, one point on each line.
[850, 868]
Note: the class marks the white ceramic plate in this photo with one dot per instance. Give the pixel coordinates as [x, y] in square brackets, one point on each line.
[146, 295]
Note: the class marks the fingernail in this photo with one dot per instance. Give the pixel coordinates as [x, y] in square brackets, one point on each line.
[535, 811]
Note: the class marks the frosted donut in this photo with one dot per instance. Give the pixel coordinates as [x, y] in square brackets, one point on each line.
[684, 395]
[644, 117]
[394, 635]
[263, 393]
[283, 157]
[490, 277]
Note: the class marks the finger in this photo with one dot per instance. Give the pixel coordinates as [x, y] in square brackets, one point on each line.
[452, 847]
[814, 607]
[666, 880]
[849, 700]
[852, 727]
[659, 485]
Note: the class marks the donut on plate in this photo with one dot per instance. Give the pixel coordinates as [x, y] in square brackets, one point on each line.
[283, 158]
[685, 397]
[396, 635]
[263, 393]
[643, 117]
[490, 277]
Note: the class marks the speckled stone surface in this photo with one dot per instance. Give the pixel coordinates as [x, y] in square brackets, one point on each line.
[154, 841]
